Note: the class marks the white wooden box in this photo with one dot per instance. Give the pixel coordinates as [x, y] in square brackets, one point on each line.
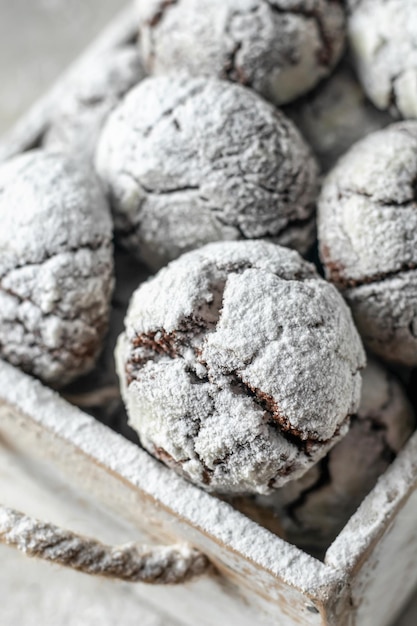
[119, 491]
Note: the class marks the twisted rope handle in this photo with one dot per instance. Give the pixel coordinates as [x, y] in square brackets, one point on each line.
[129, 562]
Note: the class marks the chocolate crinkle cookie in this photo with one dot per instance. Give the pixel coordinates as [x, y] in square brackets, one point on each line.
[77, 118]
[280, 48]
[314, 509]
[56, 266]
[187, 161]
[383, 40]
[239, 366]
[368, 238]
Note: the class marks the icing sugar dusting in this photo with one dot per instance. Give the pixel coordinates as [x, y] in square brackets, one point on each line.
[56, 266]
[239, 366]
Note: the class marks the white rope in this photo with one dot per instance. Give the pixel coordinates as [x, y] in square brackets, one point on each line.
[148, 564]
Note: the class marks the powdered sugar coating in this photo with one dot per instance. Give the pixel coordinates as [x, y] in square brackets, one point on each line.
[187, 161]
[382, 36]
[314, 509]
[239, 366]
[56, 266]
[281, 48]
[368, 238]
[76, 120]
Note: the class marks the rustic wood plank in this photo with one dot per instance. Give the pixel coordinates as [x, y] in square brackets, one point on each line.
[275, 577]
[378, 546]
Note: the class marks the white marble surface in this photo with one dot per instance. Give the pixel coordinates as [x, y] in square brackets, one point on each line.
[38, 38]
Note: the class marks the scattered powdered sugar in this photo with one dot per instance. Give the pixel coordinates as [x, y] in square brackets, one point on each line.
[367, 226]
[187, 161]
[56, 266]
[279, 48]
[239, 366]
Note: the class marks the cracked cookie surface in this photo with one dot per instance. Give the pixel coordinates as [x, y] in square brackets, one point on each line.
[187, 161]
[382, 36]
[239, 366]
[314, 509]
[56, 266]
[280, 48]
[367, 225]
[76, 120]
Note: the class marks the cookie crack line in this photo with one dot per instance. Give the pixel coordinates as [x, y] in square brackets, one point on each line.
[296, 224]
[275, 418]
[291, 224]
[171, 345]
[167, 458]
[51, 314]
[232, 71]
[161, 192]
[241, 177]
[54, 313]
[392, 94]
[207, 471]
[158, 16]
[324, 57]
[379, 202]
[335, 272]
[161, 343]
[170, 111]
[92, 246]
[56, 353]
